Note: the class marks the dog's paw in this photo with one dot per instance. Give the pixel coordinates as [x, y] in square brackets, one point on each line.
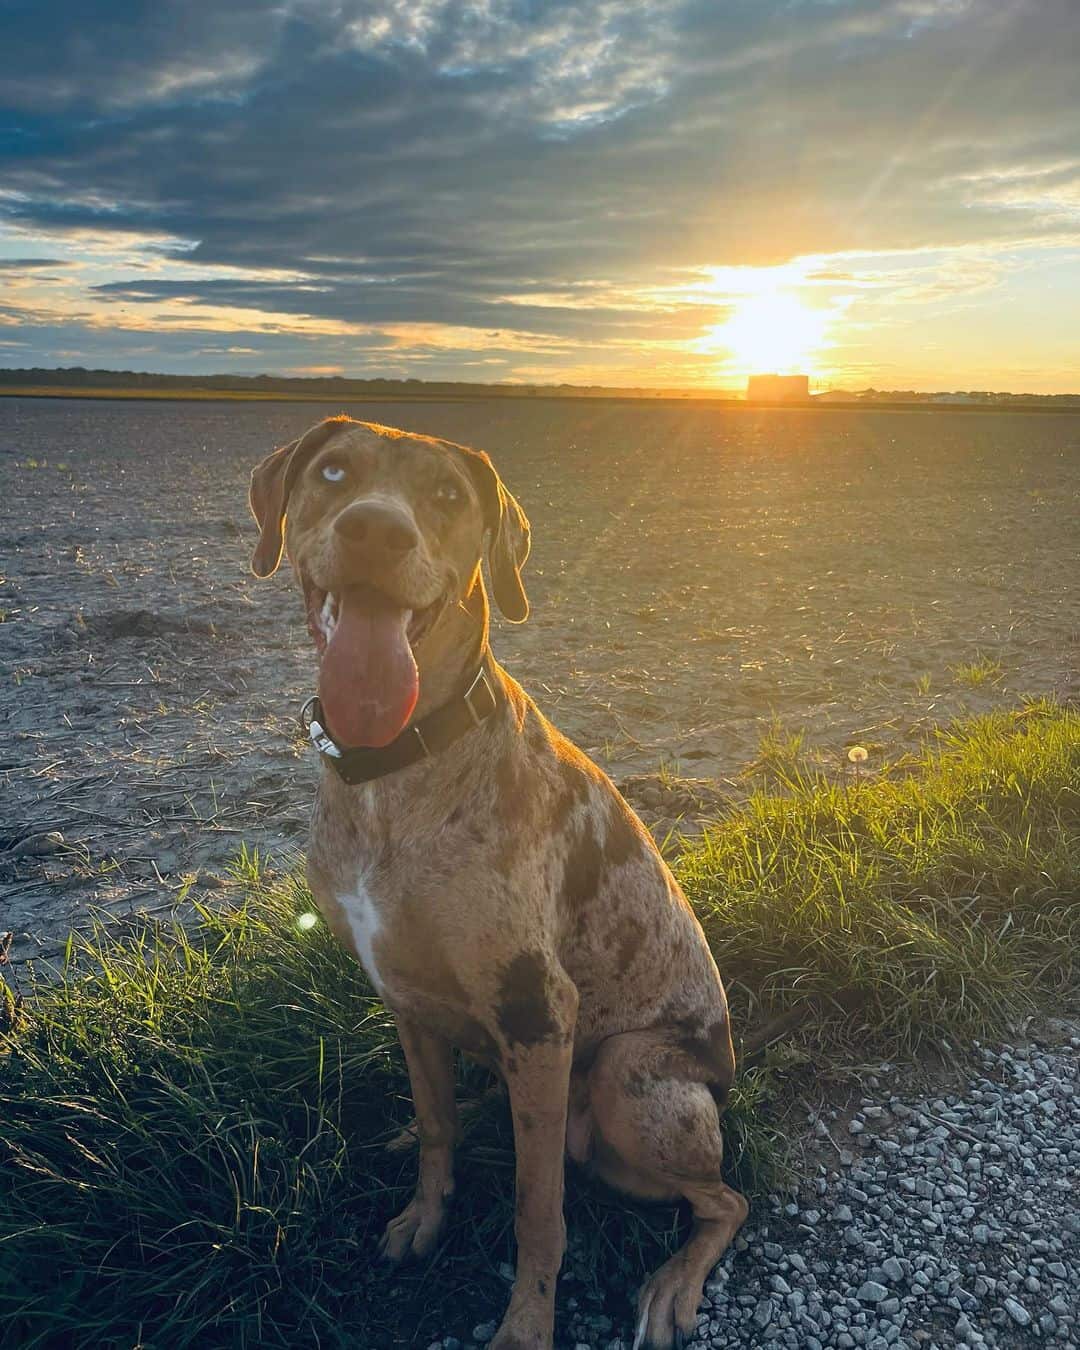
[414, 1232]
[519, 1337]
[667, 1307]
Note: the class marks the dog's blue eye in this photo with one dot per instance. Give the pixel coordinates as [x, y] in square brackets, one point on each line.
[333, 473]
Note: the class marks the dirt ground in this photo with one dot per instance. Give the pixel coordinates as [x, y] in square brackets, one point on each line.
[701, 579]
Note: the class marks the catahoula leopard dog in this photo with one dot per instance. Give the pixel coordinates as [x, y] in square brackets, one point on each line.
[501, 894]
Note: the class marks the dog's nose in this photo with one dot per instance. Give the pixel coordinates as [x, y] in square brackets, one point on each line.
[378, 526]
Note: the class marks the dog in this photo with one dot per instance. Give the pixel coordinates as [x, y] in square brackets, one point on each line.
[500, 893]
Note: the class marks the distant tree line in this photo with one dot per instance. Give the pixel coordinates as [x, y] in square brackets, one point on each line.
[958, 396]
[332, 387]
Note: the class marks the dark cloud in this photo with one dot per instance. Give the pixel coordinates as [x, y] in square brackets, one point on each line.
[418, 161]
[30, 264]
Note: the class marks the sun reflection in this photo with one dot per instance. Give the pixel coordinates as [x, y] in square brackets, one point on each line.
[772, 331]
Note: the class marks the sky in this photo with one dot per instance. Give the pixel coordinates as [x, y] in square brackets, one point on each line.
[669, 193]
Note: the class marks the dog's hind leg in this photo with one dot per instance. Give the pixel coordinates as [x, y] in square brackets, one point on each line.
[431, 1075]
[656, 1135]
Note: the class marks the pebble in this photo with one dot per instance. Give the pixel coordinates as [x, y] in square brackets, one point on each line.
[1017, 1312]
[37, 845]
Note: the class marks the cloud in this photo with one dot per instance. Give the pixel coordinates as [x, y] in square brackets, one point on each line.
[557, 172]
[29, 264]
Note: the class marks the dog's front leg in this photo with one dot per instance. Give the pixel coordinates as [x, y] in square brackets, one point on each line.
[431, 1076]
[538, 1076]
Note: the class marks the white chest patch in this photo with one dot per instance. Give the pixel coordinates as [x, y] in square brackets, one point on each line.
[364, 922]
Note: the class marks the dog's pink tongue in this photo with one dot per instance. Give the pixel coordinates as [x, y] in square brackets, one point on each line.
[368, 682]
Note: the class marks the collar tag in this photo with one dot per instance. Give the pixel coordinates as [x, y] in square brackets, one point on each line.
[321, 741]
[315, 731]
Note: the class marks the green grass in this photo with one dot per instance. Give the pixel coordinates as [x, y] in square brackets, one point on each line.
[191, 1125]
[940, 904]
[974, 674]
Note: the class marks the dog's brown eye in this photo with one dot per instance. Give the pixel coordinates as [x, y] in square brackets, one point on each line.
[333, 473]
[447, 494]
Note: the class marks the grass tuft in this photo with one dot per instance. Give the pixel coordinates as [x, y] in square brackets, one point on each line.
[190, 1149]
[974, 674]
[780, 758]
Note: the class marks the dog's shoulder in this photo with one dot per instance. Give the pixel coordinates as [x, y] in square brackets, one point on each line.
[555, 800]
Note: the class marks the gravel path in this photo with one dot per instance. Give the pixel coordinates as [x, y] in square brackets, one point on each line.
[943, 1221]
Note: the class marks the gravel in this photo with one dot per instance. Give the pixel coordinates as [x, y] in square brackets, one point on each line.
[944, 1222]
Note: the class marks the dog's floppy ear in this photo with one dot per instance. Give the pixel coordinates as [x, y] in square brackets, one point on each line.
[508, 538]
[271, 483]
[266, 496]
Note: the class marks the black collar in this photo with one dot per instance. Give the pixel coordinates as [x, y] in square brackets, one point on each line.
[420, 740]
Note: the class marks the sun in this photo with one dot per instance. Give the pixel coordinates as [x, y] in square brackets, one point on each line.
[771, 332]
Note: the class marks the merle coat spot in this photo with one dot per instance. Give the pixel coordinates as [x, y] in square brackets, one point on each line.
[581, 878]
[630, 940]
[524, 1011]
[638, 1083]
[709, 1045]
[623, 838]
[574, 792]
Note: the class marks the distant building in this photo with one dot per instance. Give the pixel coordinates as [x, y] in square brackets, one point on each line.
[778, 389]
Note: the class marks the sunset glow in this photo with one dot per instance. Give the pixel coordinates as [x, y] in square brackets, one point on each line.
[667, 194]
[772, 331]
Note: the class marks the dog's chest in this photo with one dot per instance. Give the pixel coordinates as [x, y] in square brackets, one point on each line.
[415, 961]
[411, 885]
[391, 898]
[365, 922]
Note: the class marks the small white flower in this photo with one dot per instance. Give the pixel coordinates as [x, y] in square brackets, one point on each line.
[858, 754]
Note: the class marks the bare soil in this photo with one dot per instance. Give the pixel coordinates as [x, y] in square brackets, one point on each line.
[701, 578]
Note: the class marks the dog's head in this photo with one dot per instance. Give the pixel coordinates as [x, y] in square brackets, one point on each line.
[385, 530]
